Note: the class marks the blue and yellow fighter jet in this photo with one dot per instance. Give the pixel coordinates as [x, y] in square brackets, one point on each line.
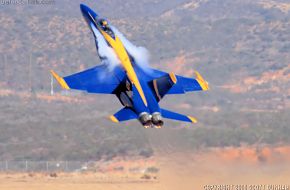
[138, 90]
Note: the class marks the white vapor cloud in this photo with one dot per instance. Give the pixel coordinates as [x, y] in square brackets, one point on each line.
[140, 54]
[104, 50]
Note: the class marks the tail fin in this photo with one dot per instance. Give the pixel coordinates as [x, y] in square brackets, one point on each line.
[123, 115]
[162, 85]
[176, 116]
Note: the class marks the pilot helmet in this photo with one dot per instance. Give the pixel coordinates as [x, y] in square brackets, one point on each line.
[104, 23]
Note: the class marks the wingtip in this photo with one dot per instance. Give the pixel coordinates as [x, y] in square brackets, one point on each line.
[60, 80]
[203, 83]
[192, 119]
[114, 119]
[52, 72]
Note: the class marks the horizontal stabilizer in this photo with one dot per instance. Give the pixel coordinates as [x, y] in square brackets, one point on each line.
[176, 116]
[123, 115]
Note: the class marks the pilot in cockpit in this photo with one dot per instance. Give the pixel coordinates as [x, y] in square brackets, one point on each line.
[104, 24]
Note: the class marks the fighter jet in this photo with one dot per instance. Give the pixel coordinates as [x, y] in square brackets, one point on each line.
[138, 89]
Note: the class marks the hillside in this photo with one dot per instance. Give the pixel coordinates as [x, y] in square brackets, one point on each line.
[241, 47]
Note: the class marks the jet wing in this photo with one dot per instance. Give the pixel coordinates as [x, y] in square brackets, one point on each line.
[168, 83]
[185, 84]
[98, 79]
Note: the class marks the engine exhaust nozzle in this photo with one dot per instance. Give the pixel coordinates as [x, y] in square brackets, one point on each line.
[145, 119]
[157, 119]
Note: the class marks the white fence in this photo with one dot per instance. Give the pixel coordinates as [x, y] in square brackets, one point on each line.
[44, 166]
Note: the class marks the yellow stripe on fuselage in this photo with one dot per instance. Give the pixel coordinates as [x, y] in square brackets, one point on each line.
[122, 54]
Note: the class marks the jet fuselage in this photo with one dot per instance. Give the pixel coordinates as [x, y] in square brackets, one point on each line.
[139, 88]
[143, 102]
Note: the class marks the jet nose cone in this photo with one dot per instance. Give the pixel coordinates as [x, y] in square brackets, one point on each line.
[87, 11]
[84, 8]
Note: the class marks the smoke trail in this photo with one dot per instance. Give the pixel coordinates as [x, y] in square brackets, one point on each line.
[140, 54]
[105, 51]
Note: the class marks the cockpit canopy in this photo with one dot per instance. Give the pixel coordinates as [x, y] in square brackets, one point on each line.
[104, 25]
[103, 22]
